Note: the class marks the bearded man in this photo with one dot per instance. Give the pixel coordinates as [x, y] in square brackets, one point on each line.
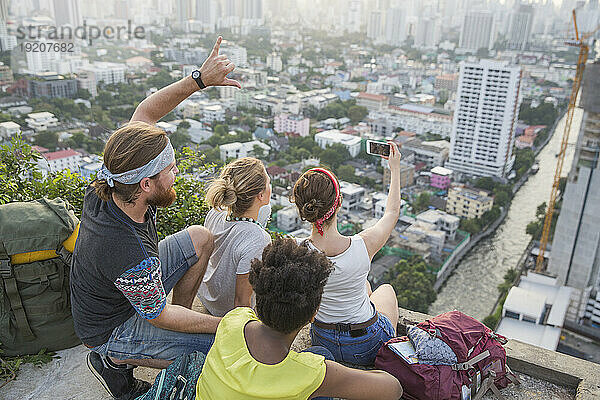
[121, 273]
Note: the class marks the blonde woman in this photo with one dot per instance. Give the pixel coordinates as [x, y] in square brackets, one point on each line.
[240, 201]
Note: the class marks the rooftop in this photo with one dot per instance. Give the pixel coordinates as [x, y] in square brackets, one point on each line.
[56, 155]
[525, 302]
[337, 136]
[544, 336]
[471, 193]
[441, 171]
[371, 96]
[41, 115]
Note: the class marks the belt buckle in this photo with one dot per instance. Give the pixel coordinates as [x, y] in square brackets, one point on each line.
[342, 327]
[5, 269]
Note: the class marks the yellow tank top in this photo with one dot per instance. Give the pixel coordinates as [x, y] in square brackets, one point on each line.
[230, 372]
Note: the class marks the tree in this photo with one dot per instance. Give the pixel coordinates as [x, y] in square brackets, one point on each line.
[346, 173]
[470, 225]
[180, 137]
[83, 94]
[485, 183]
[21, 180]
[258, 152]
[502, 198]
[422, 202]
[46, 139]
[334, 155]
[413, 284]
[482, 52]
[357, 114]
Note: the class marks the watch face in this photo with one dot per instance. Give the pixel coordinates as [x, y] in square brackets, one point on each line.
[195, 74]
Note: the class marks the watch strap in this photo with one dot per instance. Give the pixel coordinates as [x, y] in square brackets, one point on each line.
[197, 76]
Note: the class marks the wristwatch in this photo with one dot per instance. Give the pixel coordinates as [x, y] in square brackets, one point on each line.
[197, 76]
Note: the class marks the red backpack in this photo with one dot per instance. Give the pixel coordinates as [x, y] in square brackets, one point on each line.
[451, 356]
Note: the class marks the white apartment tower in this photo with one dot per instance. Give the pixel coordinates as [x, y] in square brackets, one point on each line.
[487, 109]
[375, 25]
[67, 12]
[477, 31]
[395, 27]
[354, 15]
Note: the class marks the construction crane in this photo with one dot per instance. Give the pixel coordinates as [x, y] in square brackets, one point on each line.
[580, 42]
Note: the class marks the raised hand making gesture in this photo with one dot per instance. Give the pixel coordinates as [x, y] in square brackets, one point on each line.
[216, 68]
[213, 72]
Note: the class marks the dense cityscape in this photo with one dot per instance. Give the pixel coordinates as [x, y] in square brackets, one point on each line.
[475, 93]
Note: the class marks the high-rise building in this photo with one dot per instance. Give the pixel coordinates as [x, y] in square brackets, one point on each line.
[375, 25]
[42, 61]
[207, 11]
[395, 27]
[477, 31]
[487, 108]
[428, 32]
[354, 15]
[3, 10]
[67, 12]
[183, 11]
[252, 9]
[575, 255]
[519, 30]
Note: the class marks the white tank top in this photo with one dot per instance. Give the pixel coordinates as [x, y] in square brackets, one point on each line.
[345, 297]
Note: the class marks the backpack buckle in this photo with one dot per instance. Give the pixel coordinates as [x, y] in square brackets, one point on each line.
[179, 389]
[5, 269]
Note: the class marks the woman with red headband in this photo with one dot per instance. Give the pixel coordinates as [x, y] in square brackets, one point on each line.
[352, 322]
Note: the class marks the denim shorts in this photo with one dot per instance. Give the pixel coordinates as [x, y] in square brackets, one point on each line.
[359, 350]
[137, 338]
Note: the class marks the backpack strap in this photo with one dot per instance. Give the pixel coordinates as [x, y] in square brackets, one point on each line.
[512, 376]
[14, 299]
[488, 384]
[469, 364]
[178, 390]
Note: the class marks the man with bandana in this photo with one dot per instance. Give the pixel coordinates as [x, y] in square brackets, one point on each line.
[121, 273]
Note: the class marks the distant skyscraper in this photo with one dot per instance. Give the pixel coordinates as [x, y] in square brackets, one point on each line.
[67, 12]
[252, 9]
[3, 10]
[428, 32]
[207, 11]
[483, 130]
[477, 31]
[354, 14]
[375, 25]
[395, 27]
[521, 23]
[183, 10]
[575, 255]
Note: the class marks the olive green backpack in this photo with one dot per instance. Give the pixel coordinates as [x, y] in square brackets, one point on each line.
[35, 307]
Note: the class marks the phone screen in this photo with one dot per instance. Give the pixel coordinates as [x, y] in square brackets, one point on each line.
[382, 149]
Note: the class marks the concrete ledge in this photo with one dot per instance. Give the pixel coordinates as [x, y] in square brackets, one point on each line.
[539, 363]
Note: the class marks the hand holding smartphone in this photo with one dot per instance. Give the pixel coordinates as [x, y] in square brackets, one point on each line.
[376, 148]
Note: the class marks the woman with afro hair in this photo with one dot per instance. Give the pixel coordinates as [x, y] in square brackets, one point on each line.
[352, 322]
[251, 357]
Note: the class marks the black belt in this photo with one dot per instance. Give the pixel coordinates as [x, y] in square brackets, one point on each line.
[354, 329]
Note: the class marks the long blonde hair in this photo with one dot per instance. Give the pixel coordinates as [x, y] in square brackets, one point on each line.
[238, 184]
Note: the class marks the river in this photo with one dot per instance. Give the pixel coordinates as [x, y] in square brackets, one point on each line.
[472, 288]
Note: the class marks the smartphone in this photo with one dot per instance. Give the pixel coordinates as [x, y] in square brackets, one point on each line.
[375, 148]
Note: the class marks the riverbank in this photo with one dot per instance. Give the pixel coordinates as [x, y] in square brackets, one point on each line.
[449, 268]
[472, 285]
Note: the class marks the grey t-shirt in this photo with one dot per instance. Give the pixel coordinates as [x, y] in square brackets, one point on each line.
[237, 243]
